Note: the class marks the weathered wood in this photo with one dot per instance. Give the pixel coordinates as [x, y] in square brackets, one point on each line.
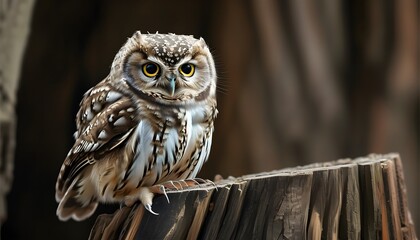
[390, 188]
[407, 225]
[275, 206]
[373, 213]
[350, 227]
[329, 197]
[218, 208]
[232, 211]
[363, 198]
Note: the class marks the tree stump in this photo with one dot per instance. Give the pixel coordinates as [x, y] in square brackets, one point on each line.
[364, 198]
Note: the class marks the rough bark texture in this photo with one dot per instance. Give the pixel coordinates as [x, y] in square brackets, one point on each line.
[346, 199]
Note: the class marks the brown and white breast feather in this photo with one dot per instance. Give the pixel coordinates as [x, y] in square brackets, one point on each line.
[168, 145]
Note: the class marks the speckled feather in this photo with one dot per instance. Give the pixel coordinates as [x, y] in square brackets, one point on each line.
[132, 134]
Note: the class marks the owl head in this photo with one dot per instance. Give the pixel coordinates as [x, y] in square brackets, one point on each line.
[166, 68]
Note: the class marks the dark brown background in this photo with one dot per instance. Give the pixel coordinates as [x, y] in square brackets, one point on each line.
[300, 82]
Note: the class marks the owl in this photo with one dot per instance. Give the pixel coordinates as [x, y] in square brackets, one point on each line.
[148, 122]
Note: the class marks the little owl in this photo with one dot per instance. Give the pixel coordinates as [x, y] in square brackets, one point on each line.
[148, 122]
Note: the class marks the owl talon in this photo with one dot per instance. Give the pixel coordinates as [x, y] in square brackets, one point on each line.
[173, 185]
[212, 183]
[148, 207]
[163, 190]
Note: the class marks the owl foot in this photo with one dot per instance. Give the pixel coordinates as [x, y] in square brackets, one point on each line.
[180, 185]
[145, 196]
[160, 189]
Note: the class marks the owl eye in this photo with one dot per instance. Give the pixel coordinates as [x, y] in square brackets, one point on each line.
[187, 69]
[150, 69]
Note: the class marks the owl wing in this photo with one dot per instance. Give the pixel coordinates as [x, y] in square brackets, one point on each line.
[105, 120]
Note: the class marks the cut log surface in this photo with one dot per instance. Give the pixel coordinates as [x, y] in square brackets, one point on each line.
[364, 198]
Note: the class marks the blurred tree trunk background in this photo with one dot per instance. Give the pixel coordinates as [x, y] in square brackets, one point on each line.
[15, 19]
[299, 82]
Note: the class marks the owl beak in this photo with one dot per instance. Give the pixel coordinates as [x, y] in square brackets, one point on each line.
[171, 87]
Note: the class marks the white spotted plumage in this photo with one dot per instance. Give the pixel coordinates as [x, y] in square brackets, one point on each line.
[138, 128]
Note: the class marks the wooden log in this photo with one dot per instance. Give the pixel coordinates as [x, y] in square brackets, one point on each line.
[363, 198]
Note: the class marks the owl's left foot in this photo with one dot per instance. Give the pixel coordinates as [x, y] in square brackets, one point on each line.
[146, 194]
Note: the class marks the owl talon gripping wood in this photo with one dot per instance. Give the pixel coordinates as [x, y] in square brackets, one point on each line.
[148, 122]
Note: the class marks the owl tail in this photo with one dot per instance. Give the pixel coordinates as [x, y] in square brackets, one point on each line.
[72, 205]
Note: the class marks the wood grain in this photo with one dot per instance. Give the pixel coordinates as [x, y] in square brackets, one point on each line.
[364, 198]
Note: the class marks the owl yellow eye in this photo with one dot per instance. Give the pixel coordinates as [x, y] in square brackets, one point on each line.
[187, 69]
[150, 69]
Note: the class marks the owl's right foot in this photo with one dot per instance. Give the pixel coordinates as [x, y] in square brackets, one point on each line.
[179, 185]
[145, 196]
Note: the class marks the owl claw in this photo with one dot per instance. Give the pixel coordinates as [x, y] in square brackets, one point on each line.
[163, 190]
[172, 183]
[212, 183]
[146, 198]
[148, 207]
